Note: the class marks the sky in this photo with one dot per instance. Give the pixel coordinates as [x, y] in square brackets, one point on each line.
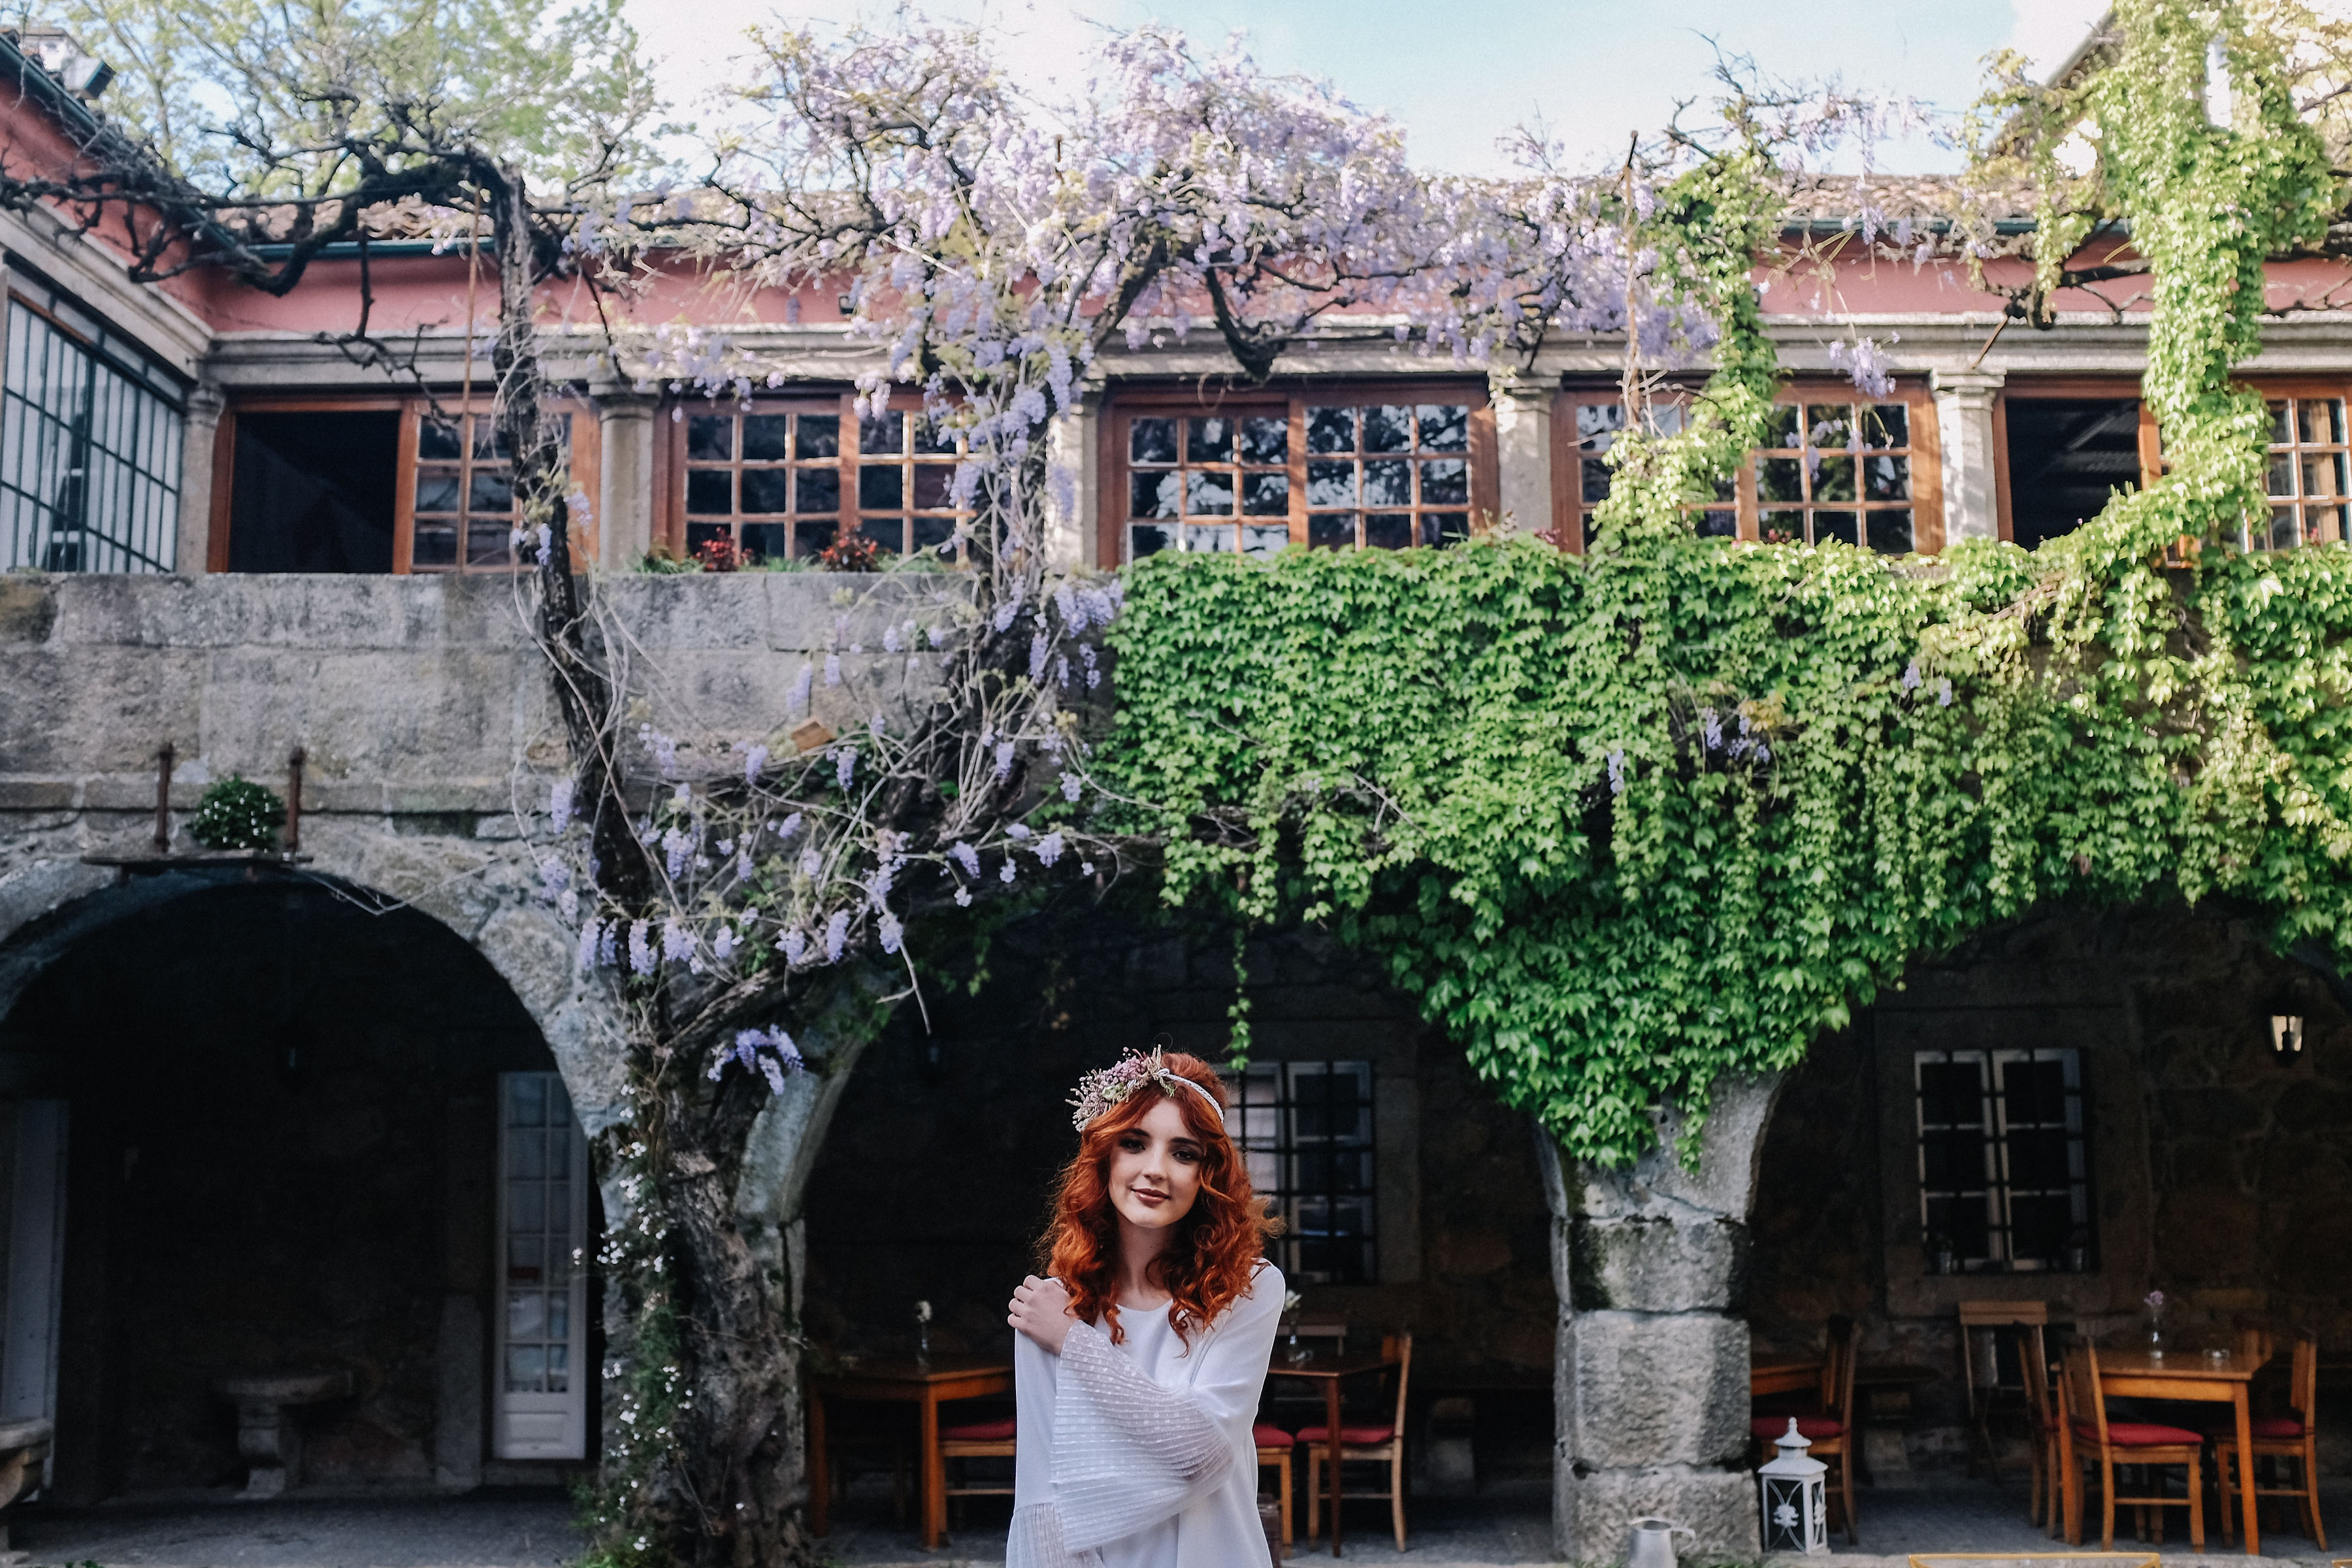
[1461, 74]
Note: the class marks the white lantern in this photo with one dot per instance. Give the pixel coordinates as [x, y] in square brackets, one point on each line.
[1796, 1498]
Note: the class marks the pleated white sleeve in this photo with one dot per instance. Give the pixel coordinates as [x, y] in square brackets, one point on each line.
[1105, 1449]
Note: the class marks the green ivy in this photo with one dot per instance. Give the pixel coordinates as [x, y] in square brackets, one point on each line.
[1626, 823]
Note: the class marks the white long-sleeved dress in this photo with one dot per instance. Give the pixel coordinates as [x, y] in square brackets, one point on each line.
[1139, 1455]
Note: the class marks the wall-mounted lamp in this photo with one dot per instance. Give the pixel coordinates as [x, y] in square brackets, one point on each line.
[2287, 1036]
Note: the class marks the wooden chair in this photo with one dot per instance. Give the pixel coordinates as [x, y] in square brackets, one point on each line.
[1985, 1391]
[2294, 1437]
[869, 1447]
[976, 1440]
[1275, 1447]
[1829, 1428]
[2040, 1424]
[2085, 1433]
[1370, 1443]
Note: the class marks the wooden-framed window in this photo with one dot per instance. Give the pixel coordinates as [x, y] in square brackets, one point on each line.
[2307, 479]
[1346, 466]
[376, 484]
[1834, 466]
[2004, 1160]
[783, 479]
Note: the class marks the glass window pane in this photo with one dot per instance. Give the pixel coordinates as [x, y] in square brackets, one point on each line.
[767, 490]
[1389, 530]
[1780, 429]
[1444, 527]
[1780, 526]
[765, 438]
[2282, 423]
[2323, 421]
[931, 533]
[2282, 529]
[1151, 494]
[2323, 525]
[1445, 426]
[435, 439]
[1331, 530]
[526, 1314]
[880, 488]
[814, 538]
[814, 489]
[526, 1368]
[1264, 538]
[1887, 478]
[766, 540]
[1890, 530]
[1209, 536]
[1330, 484]
[887, 534]
[1838, 525]
[2323, 474]
[491, 442]
[1388, 482]
[709, 437]
[1834, 478]
[1152, 440]
[2281, 475]
[1718, 525]
[490, 492]
[934, 486]
[1597, 425]
[1330, 430]
[1829, 424]
[817, 436]
[1886, 424]
[709, 492]
[1209, 440]
[1266, 495]
[1143, 539]
[1445, 482]
[526, 1155]
[1780, 480]
[437, 490]
[435, 544]
[1388, 429]
[1595, 481]
[932, 436]
[882, 433]
[1265, 439]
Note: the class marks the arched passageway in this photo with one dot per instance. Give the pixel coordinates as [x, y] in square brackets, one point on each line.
[2076, 1110]
[276, 1124]
[1414, 1198]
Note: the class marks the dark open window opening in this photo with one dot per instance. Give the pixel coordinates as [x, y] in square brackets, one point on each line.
[2065, 456]
[1307, 1132]
[314, 492]
[2004, 1168]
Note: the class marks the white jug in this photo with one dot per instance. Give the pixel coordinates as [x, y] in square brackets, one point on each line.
[1653, 1543]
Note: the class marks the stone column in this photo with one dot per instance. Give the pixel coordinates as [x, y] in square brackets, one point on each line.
[624, 474]
[1964, 421]
[193, 545]
[1073, 443]
[1523, 457]
[1651, 1384]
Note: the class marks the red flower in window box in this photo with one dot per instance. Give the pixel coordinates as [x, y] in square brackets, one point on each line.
[850, 553]
[718, 556]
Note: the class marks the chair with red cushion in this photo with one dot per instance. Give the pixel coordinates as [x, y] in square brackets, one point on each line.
[1829, 1428]
[1376, 1443]
[2294, 1437]
[2085, 1435]
[976, 1440]
[1274, 1450]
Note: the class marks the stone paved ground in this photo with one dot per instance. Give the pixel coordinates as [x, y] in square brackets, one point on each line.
[498, 1528]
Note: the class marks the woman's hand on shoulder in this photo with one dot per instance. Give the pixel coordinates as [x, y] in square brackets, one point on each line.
[1040, 1309]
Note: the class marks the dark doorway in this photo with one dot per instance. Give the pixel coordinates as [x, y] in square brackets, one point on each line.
[313, 492]
[2065, 456]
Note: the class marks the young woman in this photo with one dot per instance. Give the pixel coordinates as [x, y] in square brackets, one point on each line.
[1141, 1354]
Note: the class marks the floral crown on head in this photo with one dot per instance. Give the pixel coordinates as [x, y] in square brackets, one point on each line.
[1107, 1086]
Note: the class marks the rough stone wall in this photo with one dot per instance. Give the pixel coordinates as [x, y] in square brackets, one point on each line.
[2221, 1175]
[935, 1181]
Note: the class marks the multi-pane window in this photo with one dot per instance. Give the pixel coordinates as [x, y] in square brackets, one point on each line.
[464, 507]
[1305, 1129]
[2307, 479]
[786, 480]
[1323, 470]
[1597, 425]
[90, 446]
[1836, 471]
[2004, 1171]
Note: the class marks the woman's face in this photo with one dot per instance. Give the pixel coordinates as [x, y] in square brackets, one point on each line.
[1155, 1169]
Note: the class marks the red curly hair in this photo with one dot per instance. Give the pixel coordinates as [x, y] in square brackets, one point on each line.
[1217, 1245]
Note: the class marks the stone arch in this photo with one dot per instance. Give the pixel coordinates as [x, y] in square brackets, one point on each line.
[480, 897]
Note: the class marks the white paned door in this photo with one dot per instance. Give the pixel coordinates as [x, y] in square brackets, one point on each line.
[542, 1376]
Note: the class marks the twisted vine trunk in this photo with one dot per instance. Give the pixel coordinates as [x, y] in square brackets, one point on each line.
[726, 1483]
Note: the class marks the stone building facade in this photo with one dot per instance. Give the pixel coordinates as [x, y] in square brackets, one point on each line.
[308, 560]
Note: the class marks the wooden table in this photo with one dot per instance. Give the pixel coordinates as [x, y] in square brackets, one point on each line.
[948, 1377]
[1331, 1369]
[1783, 1374]
[2189, 1375]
